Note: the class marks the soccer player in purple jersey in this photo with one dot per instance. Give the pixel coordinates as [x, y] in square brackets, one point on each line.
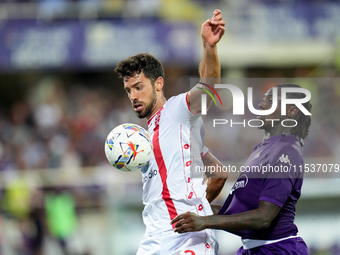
[261, 206]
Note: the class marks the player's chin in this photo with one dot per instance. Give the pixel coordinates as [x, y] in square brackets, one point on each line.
[140, 114]
[264, 126]
[261, 122]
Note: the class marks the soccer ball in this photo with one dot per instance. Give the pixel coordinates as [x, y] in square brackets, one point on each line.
[128, 147]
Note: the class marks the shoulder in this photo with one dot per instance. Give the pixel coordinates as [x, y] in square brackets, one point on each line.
[288, 142]
[287, 149]
[178, 109]
[181, 98]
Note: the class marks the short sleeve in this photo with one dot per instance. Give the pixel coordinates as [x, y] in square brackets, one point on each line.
[178, 109]
[205, 151]
[276, 190]
[282, 172]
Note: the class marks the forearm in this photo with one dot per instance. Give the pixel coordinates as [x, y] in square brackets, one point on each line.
[216, 209]
[214, 187]
[210, 65]
[250, 220]
[259, 218]
[211, 32]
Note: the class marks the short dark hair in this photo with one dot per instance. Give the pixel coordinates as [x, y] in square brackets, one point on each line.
[301, 130]
[143, 62]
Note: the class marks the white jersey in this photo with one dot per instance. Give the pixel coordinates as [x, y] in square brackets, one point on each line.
[169, 188]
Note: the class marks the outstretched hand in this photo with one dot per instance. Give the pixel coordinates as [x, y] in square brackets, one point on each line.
[188, 222]
[213, 29]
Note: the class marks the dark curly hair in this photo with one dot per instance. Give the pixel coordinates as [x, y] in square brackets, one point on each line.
[143, 62]
[301, 130]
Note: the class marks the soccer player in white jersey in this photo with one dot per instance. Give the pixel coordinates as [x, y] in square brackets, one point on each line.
[175, 127]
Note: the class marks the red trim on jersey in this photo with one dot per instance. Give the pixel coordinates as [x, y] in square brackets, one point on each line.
[186, 100]
[149, 120]
[185, 177]
[203, 155]
[163, 173]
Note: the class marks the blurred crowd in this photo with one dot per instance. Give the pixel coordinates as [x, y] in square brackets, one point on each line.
[50, 125]
[172, 9]
[56, 125]
[163, 9]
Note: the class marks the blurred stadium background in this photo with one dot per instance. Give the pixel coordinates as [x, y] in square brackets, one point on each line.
[59, 98]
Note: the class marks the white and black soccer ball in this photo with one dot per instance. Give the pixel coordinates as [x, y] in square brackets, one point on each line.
[128, 147]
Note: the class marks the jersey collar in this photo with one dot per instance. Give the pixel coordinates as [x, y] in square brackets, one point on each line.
[149, 120]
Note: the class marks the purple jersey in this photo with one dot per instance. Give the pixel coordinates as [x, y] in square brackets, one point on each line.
[272, 173]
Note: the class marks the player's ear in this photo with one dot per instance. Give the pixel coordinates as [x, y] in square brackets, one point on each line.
[159, 83]
[292, 111]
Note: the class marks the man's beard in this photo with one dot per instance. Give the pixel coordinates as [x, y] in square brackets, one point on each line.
[148, 110]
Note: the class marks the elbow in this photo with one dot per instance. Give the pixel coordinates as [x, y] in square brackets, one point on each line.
[224, 176]
[265, 214]
[219, 181]
[221, 176]
[263, 223]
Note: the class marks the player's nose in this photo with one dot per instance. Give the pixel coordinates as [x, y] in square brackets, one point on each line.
[133, 96]
[261, 105]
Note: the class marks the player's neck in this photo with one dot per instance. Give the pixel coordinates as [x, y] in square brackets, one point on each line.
[276, 130]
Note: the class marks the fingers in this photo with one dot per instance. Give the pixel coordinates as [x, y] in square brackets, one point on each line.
[217, 18]
[177, 218]
[183, 226]
[182, 221]
[184, 229]
[220, 23]
[216, 12]
[221, 32]
[180, 217]
[216, 21]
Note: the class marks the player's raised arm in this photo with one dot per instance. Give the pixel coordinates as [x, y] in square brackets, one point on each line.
[209, 70]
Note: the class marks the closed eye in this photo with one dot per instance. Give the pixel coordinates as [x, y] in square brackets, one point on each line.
[270, 100]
